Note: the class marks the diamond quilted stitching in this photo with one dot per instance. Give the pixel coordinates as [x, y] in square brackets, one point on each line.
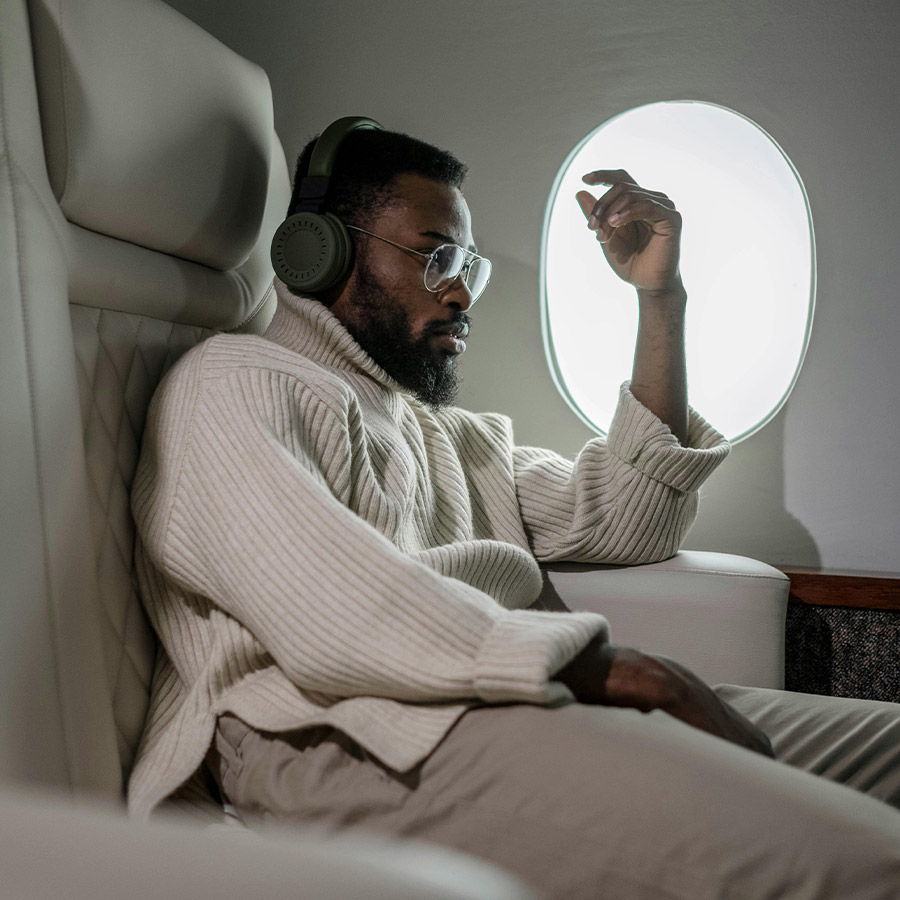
[121, 358]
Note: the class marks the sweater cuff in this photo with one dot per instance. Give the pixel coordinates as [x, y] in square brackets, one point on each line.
[641, 439]
[525, 648]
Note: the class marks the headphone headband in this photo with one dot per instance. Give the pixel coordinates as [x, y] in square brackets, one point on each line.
[312, 251]
[314, 184]
[324, 153]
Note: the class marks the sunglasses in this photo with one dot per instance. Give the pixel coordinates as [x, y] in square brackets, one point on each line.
[445, 264]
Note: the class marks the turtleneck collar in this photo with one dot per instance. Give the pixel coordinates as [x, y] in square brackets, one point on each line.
[308, 327]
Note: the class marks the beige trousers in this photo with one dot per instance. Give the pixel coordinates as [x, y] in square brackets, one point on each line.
[591, 802]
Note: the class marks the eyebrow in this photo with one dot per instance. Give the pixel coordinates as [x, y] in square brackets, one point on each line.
[445, 238]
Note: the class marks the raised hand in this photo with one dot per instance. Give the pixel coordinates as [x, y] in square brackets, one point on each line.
[639, 230]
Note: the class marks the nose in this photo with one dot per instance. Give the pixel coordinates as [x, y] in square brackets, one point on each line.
[456, 294]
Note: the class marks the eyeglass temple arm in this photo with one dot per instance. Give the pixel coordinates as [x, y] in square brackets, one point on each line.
[471, 253]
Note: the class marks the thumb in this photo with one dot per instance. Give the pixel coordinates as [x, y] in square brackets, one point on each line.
[586, 201]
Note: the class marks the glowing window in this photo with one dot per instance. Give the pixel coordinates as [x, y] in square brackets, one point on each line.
[748, 263]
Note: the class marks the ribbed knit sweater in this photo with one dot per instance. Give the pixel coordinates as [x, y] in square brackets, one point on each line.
[317, 547]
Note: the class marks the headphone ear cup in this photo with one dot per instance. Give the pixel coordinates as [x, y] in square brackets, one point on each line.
[311, 252]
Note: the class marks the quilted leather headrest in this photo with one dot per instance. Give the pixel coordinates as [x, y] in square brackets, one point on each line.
[154, 132]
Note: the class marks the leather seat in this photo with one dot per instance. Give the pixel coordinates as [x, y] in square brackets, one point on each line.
[143, 176]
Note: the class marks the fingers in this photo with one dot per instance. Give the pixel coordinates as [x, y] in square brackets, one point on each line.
[608, 176]
[625, 202]
[587, 201]
[615, 177]
[659, 213]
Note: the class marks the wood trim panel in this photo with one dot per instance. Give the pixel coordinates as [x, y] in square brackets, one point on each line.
[854, 591]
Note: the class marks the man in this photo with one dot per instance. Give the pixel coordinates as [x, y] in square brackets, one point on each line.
[339, 565]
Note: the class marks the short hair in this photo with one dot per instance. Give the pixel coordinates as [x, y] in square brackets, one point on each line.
[366, 162]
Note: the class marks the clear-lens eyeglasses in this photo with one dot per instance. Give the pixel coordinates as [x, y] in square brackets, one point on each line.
[445, 264]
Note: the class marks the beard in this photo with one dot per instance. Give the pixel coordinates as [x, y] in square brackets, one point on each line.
[382, 328]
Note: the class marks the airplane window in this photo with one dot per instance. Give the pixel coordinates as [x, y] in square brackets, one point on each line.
[748, 263]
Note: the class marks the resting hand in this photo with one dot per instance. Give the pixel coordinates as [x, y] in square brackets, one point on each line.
[610, 675]
[639, 230]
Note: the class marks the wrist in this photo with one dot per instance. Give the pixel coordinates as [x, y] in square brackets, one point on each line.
[672, 298]
[637, 680]
[613, 675]
[585, 675]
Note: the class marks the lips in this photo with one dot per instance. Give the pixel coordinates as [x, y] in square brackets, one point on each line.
[451, 337]
[454, 329]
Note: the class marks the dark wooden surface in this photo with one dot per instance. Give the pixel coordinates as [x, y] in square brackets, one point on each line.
[853, 591]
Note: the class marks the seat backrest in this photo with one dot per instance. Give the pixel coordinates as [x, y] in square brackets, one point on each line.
[140, 180]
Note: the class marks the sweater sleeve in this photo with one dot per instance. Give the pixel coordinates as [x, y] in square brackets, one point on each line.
[628, 499]
[250, 524]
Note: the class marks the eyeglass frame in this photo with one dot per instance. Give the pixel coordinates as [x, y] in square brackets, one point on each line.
[464, 270]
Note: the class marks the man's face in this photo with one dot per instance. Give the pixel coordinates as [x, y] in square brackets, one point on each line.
[385, 304]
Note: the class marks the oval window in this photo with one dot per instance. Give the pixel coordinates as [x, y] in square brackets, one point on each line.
[747, 260]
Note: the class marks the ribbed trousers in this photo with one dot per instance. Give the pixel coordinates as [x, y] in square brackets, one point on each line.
[587, 802]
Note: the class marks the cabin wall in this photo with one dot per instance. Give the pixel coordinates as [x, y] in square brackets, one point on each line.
[511, 86]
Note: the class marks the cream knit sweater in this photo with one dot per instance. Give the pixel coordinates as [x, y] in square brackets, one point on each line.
[317, 547]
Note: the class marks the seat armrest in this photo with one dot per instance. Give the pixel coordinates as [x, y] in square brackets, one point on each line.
[56, 848]
[721, 615]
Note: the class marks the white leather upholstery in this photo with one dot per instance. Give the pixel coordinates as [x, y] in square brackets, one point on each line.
[154, 132]
[721, 615]
[55, 713]
[120, 359]
[161, 138]
[141, 178]
[112, 859]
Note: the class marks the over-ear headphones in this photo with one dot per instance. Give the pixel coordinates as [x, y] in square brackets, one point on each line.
[312, 250]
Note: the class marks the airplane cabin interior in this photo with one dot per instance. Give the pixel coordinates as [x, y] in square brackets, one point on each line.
[147, 151]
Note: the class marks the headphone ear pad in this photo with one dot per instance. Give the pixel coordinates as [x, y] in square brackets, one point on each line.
[311, 252]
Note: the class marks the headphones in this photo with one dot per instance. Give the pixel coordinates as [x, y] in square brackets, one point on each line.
[311, 250]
